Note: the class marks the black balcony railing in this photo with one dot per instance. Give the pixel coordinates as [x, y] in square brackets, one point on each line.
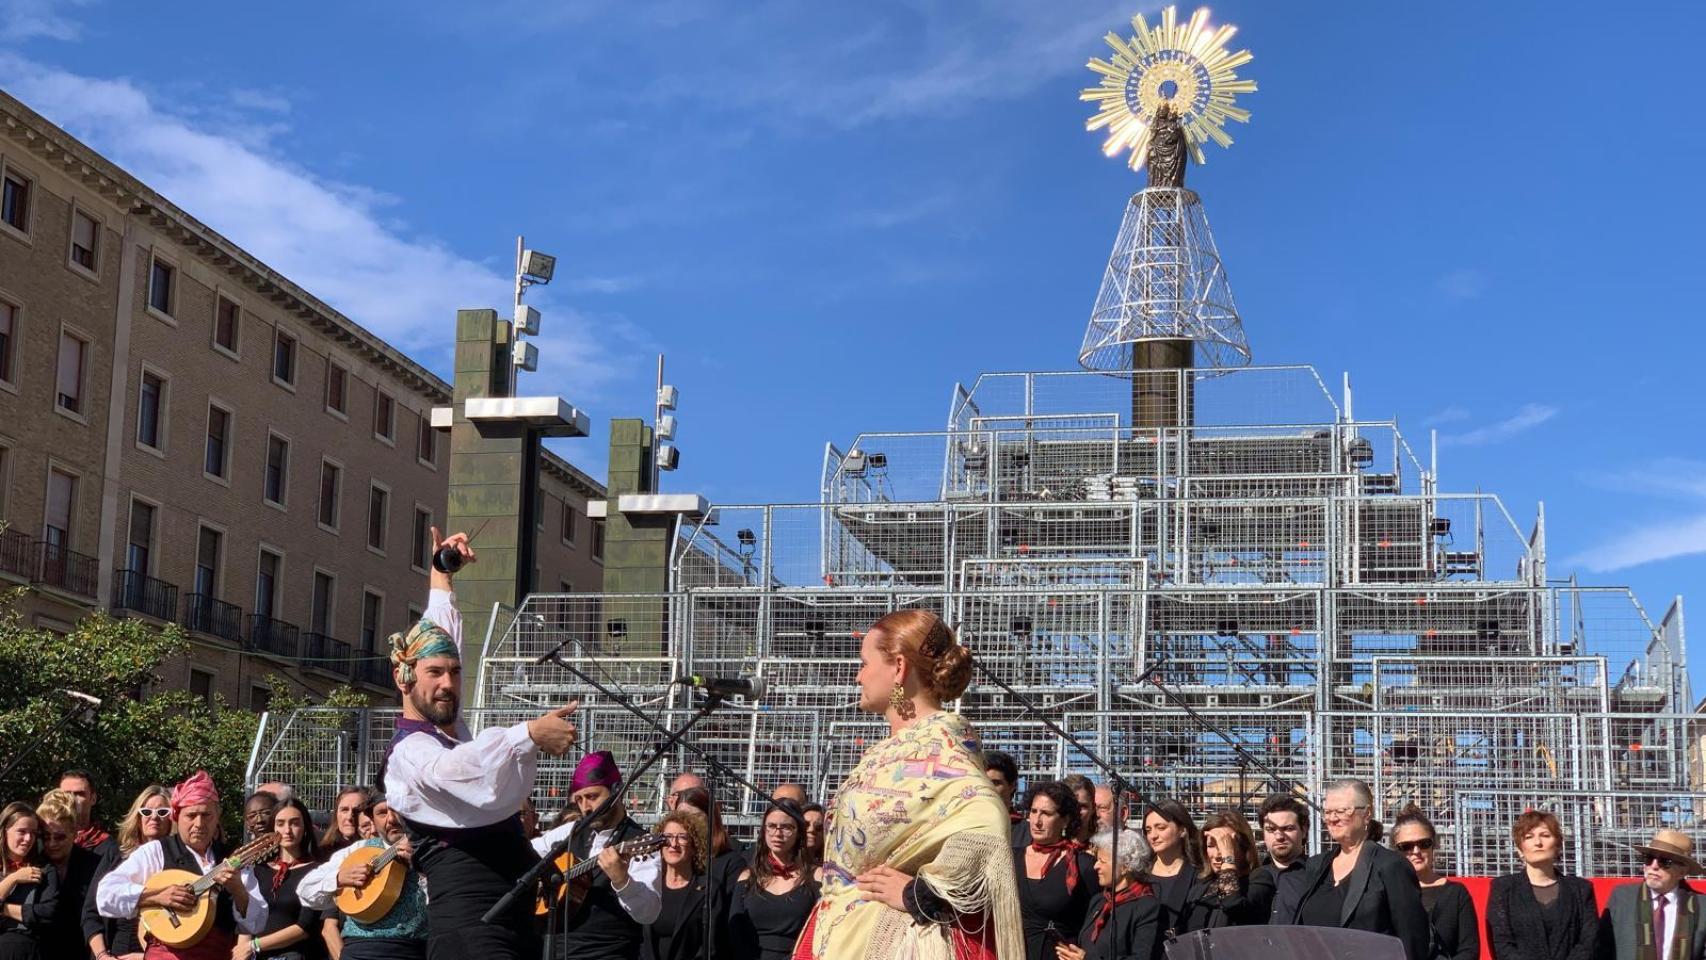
[16, 557]
[276, 637]
[372, 669]
[143, 594]
[206, 614]
[327, 654]
[65, 569]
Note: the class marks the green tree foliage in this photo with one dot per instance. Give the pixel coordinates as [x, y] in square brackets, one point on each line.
[130, 742]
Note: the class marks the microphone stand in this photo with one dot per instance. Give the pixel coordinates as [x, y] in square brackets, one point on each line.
[1244, 755]
[1121, 785]
[78, 709]
[674, 738]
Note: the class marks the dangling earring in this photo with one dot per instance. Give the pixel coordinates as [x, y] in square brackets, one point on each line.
[900, 703]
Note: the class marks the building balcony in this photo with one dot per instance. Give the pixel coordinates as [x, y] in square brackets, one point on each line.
[212, 616]
[327, 655]
[275, 637]
[65, 569]
[16, 557]
[139, 593]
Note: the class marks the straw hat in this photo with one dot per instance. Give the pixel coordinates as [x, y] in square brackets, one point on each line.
[1673, 844]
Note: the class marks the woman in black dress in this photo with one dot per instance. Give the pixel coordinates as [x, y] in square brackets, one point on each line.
[1456, 927]
[292, 931]
[149, 818]
[1356, 883]
[1538, 913]
[74, 867]
[1124, 921]
[776, 891]
[1177, 850]
[29, 886]
[1057, 878]
[678, 933]
[1229, 858]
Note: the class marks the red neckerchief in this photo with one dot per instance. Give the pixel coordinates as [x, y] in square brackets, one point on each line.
[1056, 850]
[1109, 903]
[91, 836]
[780, 870]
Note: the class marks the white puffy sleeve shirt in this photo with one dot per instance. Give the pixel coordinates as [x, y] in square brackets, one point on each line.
[121, 890]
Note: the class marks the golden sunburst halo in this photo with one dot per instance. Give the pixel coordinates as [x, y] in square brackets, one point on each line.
[1183, 66]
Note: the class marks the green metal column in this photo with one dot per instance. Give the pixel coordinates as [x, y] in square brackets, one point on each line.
[636, 547]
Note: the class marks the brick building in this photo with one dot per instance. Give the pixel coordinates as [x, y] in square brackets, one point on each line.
[188, 436]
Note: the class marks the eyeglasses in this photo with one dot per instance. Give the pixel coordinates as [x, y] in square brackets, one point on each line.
[1426, 843]
[1663, 863]
[158, 813]
[675, 839]
[1339, 813]
[780, 828]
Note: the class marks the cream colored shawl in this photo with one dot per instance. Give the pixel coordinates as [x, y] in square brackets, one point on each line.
[919, 802]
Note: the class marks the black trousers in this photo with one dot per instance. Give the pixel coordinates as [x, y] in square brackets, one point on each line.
[484, 941]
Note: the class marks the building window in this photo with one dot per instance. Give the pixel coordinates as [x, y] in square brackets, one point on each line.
[227, 325]
[426, 443]
[284, 358]
[15, 201]
[61, 503]
[201, 685]
[320, 613]
[208, 545]
[260, 697]
[266, 584]
[378, 499]
[414, 618]
[331, 482]
[421, 546]
[216, 463]
[385, 417]
[337, 388]
[85, 239]
[150, 407]
[140, 552]
[277, 470]
[372, 606]
[598, 539]
[570, 521]
[69, 389]
[8, 341]
[162, 279]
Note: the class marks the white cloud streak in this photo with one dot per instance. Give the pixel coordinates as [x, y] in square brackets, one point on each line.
[327, 236]
[27, 19]
[1678, 537]
[1530, 416]
[1465, 283]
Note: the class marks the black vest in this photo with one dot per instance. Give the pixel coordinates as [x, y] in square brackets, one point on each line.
[601, 929]
[180, 857]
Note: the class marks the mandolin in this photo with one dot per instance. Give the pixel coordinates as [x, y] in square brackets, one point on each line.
[181, 930]
[375, 899]
[576, 879]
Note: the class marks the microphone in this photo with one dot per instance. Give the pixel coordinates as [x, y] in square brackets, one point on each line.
[749, 687]
[92, 703]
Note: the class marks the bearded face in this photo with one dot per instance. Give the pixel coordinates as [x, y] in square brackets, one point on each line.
[437, 691]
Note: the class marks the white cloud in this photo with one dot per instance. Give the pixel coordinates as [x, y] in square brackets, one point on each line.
[617, 284]
[328, 237]
[1451, 414]
[1530, 416]
[26, 19]
[1679, 537]
[1464, 283]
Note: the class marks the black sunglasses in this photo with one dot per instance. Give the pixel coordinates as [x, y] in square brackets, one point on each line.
[1664, 863]
[1426, 843]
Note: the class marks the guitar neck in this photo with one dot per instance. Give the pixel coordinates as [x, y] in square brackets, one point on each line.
[384, 859]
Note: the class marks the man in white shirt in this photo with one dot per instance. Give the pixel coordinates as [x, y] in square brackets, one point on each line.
[459, 797]
[238, 904]
[401, 933]
[628, 895]
[1659, 918]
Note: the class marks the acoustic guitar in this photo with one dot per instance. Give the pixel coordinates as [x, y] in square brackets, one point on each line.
[577, 874]
[376, 898]
[182, 929]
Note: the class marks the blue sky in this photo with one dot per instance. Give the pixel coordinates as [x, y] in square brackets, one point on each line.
[826, 214]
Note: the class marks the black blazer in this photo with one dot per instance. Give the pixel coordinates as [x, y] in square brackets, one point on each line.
[65, 937]
[689, 939]
[1381, 896]
[1134, 929]
[38, 902]
[120, 935]
[1248, 904]
[1456, 928]
[1517, 931]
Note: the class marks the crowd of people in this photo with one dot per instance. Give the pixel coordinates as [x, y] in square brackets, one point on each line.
[921, 852]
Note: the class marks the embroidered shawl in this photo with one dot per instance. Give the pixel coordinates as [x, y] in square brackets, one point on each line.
[919, 802]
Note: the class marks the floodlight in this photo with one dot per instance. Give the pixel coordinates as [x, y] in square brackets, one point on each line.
[666, 427]
[667, 397]
[525, 356]
[668, 457]
[537, 267]
[526, 320]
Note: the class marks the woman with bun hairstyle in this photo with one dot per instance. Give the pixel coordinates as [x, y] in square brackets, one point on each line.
[918, 861]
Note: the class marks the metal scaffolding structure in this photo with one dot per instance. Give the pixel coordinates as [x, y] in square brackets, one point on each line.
[1303, 582]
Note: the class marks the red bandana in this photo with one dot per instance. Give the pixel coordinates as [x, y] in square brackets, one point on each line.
[91, 836]
[1057, 850]
[780, 870]
[1109, 903]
